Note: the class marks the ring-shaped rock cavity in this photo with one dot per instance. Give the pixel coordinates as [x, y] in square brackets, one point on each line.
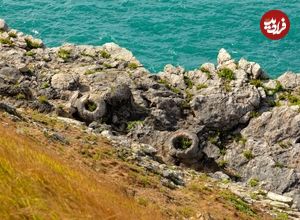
[184, 144]
[91, 107]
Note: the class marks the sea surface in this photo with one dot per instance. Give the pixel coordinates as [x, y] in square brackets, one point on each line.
[158, 32]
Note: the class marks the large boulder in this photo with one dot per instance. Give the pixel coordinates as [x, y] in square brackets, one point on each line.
[10, 75]
[223, 56]
[253, 69]
[117, 52]
[173, 76]
[271, 150]
[63, 81]
[223, 110]
[119, 95]
[167, 112]
[274, 126]
[289, 80]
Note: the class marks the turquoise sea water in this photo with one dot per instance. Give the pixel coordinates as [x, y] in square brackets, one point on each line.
[158, 32]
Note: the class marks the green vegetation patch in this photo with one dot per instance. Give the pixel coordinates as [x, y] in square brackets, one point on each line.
[226, 74]
[183, 143]
[214, 139]
[90, 72]
[133, 66]
[90, 106]
[227, 86]
[256, 83]
[45, 85]
[189, 96]
[169, 86]
[64, 54]
[201, 86]
[204, 70]
[285, 145]
[240, 139]
[186, 212]
[43, 99]
[278, 88]
[292, 99]
[248, 154]
[12, 34]
[279, 165]
[238, 203]
[254, 114]
[30, 53]
[31, 44]
[6, 41]
[282, 216]
[20, 96]
[222, 163]
[133, 124]
[105, 54]
[188, 82]
[253, 182]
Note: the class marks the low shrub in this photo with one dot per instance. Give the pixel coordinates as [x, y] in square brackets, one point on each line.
[201, 86]
[133, 66]
[64, 53]
[253, 182]
[226, 74]
[105, 54]
[248, 154]
[43, 99]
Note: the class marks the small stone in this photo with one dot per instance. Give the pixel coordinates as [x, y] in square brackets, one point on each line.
[262, 92]
[280, 205]
[241, 75]
[149, 150]
[169, 184]
[209, 67]
[107, 133]
[34, 43]
[279, 198]
[289, 80]
[60, 138]
[244, 64]
[223, 56]
[10, 75]
[271, 84]
[64, 81]
[3, 25]
[71, 121]
[174, 176]
[9, 109]
[220, 176]
[256, 71]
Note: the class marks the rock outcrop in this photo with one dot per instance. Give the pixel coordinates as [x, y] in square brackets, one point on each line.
[227, 118]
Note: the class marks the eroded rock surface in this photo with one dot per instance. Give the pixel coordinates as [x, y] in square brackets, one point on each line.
[225, 118]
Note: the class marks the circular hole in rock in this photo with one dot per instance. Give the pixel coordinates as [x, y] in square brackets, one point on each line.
[297, 140]
[90, 106]
[183, 142]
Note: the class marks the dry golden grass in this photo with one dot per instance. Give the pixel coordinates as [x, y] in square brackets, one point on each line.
[35, 184]
[87, 178]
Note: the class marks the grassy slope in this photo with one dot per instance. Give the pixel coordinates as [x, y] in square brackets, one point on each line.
[42, 178]
[34, 185]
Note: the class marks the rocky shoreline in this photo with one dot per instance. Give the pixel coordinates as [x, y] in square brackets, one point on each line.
[228, 120]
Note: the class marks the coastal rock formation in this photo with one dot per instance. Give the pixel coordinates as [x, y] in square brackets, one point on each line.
[268, 150]
[227, 117]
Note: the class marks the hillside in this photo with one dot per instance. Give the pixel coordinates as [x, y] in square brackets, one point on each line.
[39, 184]
[84, 178]
[89, 133]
